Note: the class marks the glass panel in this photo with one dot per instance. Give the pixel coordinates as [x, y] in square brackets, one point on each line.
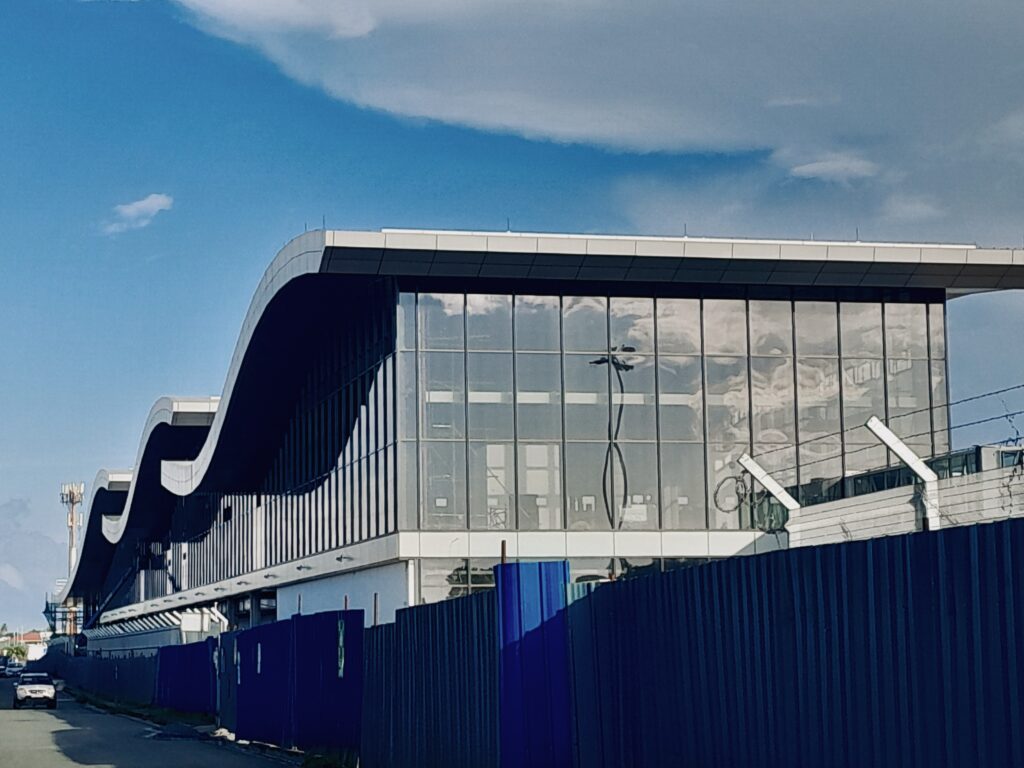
[444, 485]
[442, 579]
[539, 396]
[779, 461]
[861, 328]
[442, 384]
[585, 323]
[489, 376]
[771, 328]
[481, 573]
[633, 408]
[909, 390]
[863, 397]
[816, 332]
[441, 325]
[407, 321]
[682, 486]
[634, 567]
[906, 331]
[864, 457]
[586, 485]
[727, 401]
[636, 485]
[491, 486]
[489, 321]
[937, 330]
[537, 322]
[818, 397]
[771, 392]
[590, 569]
[680, 400]
[679, 326]
[586, 398]
[728, 508]
[632, 323]
[821, 471]
[940, 409]
[540, 487]
[725, 327]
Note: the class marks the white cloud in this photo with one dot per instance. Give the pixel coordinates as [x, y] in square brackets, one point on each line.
[138, 214]
[11, 576]
[901, 207]
[895, 97]
[836, 167]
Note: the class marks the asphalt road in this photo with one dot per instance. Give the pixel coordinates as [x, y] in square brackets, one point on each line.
[76, 735]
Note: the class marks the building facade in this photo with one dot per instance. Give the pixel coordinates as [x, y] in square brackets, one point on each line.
[404, 406]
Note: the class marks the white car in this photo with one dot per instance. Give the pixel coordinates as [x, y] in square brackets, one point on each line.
[35, 688]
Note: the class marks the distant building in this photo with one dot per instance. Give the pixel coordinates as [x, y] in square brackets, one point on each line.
[402, 405]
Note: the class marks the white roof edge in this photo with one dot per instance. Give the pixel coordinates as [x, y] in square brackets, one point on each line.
[657, 238]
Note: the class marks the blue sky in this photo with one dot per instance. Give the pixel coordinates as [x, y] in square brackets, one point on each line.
[244, 122]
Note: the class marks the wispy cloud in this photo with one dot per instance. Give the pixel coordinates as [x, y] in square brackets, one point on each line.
[838, 167]
[869, 109]
[138, 214]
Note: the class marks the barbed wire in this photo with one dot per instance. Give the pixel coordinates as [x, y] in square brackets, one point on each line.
[840, 433]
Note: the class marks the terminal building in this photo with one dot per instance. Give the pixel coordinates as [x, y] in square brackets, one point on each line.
[404, 407]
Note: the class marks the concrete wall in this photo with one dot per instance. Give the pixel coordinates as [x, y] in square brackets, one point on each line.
[390, 582]
[995, 494]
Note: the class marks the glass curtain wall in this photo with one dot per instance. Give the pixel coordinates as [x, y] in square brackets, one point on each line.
[596, 413]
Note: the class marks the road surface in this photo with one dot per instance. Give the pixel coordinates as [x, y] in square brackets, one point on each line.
[74, 735]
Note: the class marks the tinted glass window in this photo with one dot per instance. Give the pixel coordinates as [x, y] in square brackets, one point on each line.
[585, 323]
[587, 485]
[771, 390]
[489, 376]
[680, 399]
[489, 321]
[586, 398]
[538, 322]
[679, 326]
[771, 328]
[816, 332]
[632, 324]
[441, 320]
[540, 486]
[682, 486]
[725, 327]
[861, 329]
[539, 396]
[906, 331]
[491, 486]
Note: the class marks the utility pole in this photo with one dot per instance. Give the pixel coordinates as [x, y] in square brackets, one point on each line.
[71, 495]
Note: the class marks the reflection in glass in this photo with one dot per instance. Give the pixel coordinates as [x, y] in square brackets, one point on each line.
[540, 486]
[489, 376]
[586, 398]
[633, 412]
[909, 389]
[821, 470]
[861, 329]
[727, 506]
[818, 397]
[727, 416]
[444, 484]
[679, 326]
[590, 569]
[937, 330]
[407, 394]
[442, 382]
[632, 323]
[585, 489]
[771, 392]
[539, 396]
[441, 320]
[816, 328]
[635, 482]
[679, 399]
[538, 322]
[491, 486]
[634, 567]
[682, 486]
[771, 328]
[481, 573]
[442, 579]
[906, 331]
[585, 323]
[777, 460]
[488, 321]
[407, 321]
[940, 412]
[725, 327]
[863, 397]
